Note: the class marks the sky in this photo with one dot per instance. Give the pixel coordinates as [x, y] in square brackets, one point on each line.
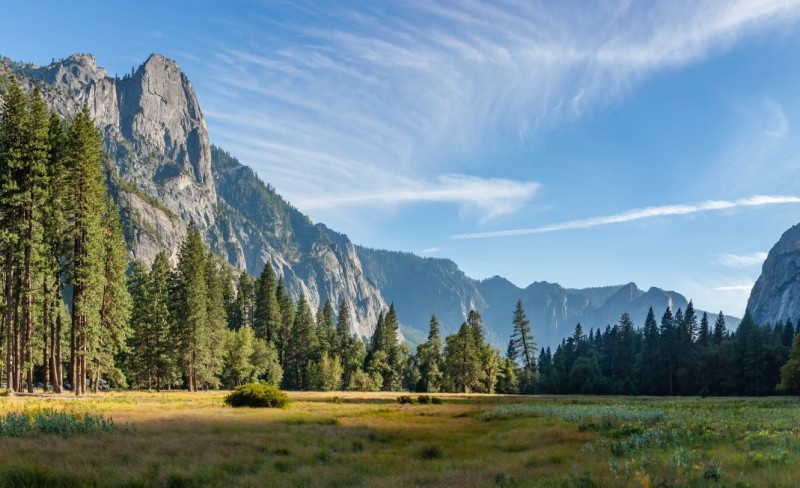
[584, 143]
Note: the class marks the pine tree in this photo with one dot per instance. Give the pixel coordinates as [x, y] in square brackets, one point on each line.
[191, 310]
[788, 333]
[507, 381]
[790, 372]
[648, 368]
[284, 332]
[429, 360]
[244, 305]
[488, 355]
[57, 246]
[326, 330]
[343, 324]
[32, 183]
[228, 294]
[666, 353]
[154, 357]
[302, 348]
[139, 363]
[524, 345]
[216, 318]
[13, 121]
[115, 303]
[462, 364]
[719, 329]
[704, 335]
[267, 310]
[86, 261]
[624, 357]
[351, 350]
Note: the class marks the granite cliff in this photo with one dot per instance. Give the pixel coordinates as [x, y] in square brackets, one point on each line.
[776, 294]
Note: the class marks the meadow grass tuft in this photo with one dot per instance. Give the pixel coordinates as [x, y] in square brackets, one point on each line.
[51, 422]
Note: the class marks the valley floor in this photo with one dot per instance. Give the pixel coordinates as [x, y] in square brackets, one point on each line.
[369, 439]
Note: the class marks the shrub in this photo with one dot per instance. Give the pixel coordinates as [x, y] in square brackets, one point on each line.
[424, 399]
[431, 452]
[405, 399]
[257, 396]
[711, 470]
[436, 400]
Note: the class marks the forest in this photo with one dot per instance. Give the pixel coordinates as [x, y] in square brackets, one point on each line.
[77, 315]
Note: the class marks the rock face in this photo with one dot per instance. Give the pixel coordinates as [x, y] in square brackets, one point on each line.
[776, 294]
[164, 174]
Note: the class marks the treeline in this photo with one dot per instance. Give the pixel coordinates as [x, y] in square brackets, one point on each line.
[72, 318]
[192, 328]
[679, 355]
[62, 253]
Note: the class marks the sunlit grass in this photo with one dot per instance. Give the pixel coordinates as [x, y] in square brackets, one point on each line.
[369, 439]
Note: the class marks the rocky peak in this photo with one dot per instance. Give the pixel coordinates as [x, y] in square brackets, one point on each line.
[776, 294]
[72, 74]
[159, 113]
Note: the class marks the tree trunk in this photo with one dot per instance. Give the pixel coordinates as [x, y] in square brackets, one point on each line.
[96, 377]
[17, 355]
[27, 352]
[73, 354]
[55, 357]
[46, 333]
[7, 323]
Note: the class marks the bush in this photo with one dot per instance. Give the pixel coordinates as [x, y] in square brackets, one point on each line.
[424, 399]
[405, 399]
[436, 400]
[431, 452]
[257, 396]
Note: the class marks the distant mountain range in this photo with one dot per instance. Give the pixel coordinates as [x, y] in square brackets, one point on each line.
[421, 286]
[164, 173]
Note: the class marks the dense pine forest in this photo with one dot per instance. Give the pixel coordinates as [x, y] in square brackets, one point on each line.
[76, 315]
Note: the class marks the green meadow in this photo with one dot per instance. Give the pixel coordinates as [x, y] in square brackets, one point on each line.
[184, 439]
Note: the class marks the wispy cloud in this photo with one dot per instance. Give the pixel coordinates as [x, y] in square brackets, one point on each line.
[431, 250]
[742, 261]
[738, 288]
[423, 89]
[492, 197]
[780, 125]
[639, 214]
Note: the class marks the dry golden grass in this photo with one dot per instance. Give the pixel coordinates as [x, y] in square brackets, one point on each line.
[334, 439]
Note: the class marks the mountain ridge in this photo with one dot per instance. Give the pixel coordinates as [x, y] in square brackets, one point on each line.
[164, 172]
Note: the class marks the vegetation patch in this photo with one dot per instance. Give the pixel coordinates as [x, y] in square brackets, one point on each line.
[431, 452]
[51, 422]
[257, 396]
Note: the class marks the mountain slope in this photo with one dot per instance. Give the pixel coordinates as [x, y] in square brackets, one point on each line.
[163, 174]
[776, 294]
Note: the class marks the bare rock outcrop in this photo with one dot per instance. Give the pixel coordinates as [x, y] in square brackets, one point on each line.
[776, 294]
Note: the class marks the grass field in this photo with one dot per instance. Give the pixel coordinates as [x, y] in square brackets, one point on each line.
[369, 439]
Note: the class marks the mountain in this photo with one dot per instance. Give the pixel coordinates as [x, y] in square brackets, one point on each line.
[420, 287]
[776, 294]
[164, 173]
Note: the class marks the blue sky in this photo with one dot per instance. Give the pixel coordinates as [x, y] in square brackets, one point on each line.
[585, 143]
